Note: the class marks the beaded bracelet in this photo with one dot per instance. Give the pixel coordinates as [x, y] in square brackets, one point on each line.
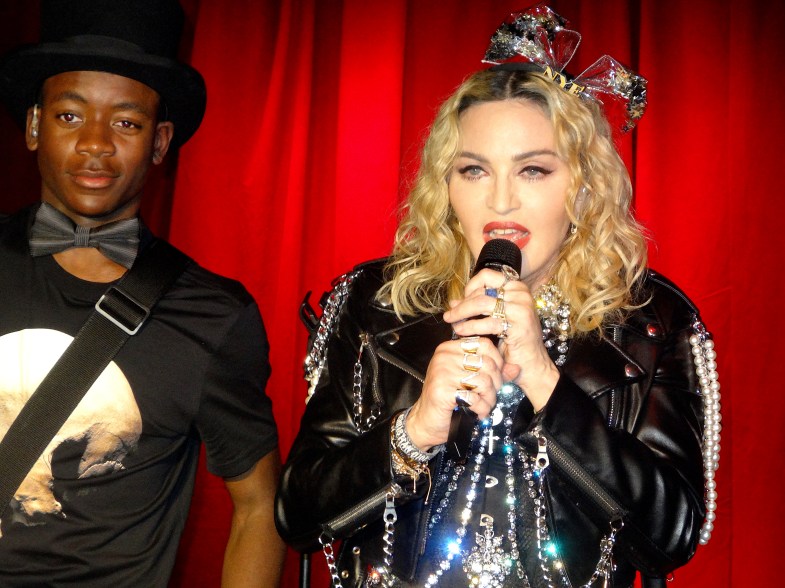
[403, 443]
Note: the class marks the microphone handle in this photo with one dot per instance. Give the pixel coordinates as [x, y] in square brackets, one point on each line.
[462, 424]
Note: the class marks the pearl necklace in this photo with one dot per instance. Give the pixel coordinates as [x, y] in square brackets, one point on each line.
[704, 358]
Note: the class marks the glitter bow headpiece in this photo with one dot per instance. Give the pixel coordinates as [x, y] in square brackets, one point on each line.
[542, 37]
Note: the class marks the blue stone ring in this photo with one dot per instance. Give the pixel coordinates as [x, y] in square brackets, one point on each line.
[492, 292]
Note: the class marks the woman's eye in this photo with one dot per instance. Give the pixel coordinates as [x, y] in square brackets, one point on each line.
[534, 172]
[471, 171]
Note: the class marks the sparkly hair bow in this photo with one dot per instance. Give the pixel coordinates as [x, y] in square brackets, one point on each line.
[542, 37]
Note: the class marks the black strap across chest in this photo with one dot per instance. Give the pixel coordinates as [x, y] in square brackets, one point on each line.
[118, 315]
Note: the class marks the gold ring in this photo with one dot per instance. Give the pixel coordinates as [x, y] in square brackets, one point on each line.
[472, 362]
[470, 344]
[498, 309]
[466, 383]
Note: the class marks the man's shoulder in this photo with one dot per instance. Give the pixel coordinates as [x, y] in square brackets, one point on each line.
[197, 278]
[17, 218]
[13, 227]
[198, 282]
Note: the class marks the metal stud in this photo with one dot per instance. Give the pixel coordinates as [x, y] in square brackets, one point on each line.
[631, 370]
[391, 338]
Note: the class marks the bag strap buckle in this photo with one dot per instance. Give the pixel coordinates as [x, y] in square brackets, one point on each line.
[123, 310]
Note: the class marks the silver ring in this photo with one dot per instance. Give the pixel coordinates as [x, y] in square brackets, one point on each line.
[510, 275]
[505, 329]
[462, 398]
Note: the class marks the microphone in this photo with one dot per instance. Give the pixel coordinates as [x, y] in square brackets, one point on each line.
[493, 255]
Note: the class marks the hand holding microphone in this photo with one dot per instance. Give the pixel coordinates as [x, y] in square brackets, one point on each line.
[505, 257]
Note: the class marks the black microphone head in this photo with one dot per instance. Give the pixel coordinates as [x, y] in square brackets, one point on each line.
[496, 253]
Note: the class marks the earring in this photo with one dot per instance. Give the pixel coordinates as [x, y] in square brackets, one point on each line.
[34, 122]
[573, 229]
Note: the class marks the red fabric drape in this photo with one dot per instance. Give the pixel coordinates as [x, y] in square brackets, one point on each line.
[315, 115]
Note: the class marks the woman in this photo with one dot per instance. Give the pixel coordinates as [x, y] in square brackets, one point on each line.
[586, 461]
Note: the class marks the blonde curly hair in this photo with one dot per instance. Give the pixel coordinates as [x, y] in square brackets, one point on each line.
[599, 266]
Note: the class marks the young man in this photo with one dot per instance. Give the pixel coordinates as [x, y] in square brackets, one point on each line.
[102, 97]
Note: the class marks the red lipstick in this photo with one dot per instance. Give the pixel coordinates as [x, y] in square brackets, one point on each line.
[511, 231]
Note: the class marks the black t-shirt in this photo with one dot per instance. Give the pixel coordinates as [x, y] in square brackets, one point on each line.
[107, 501]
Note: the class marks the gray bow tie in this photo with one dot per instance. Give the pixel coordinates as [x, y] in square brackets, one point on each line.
[52, 232]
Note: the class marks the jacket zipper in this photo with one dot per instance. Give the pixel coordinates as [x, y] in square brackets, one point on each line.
[550, 451]
[349, 517]
[614, 404]
[367, 341]
[400, 365]
[429, 504]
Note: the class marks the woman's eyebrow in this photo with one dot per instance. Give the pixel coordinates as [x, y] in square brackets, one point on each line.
[517, 157]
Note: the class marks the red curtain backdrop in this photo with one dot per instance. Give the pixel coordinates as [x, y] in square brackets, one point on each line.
[316, 113]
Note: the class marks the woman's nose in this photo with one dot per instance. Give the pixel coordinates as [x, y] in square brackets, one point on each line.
[504, 197]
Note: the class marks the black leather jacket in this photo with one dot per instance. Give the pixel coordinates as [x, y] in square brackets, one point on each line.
[623, 426]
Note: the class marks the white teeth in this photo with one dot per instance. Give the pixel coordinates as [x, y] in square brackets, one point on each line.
[505, 232]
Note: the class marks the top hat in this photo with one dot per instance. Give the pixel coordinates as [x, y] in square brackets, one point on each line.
[137, 39]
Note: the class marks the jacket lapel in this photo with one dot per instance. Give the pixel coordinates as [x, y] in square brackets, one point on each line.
[410, 345]
[599, 365]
